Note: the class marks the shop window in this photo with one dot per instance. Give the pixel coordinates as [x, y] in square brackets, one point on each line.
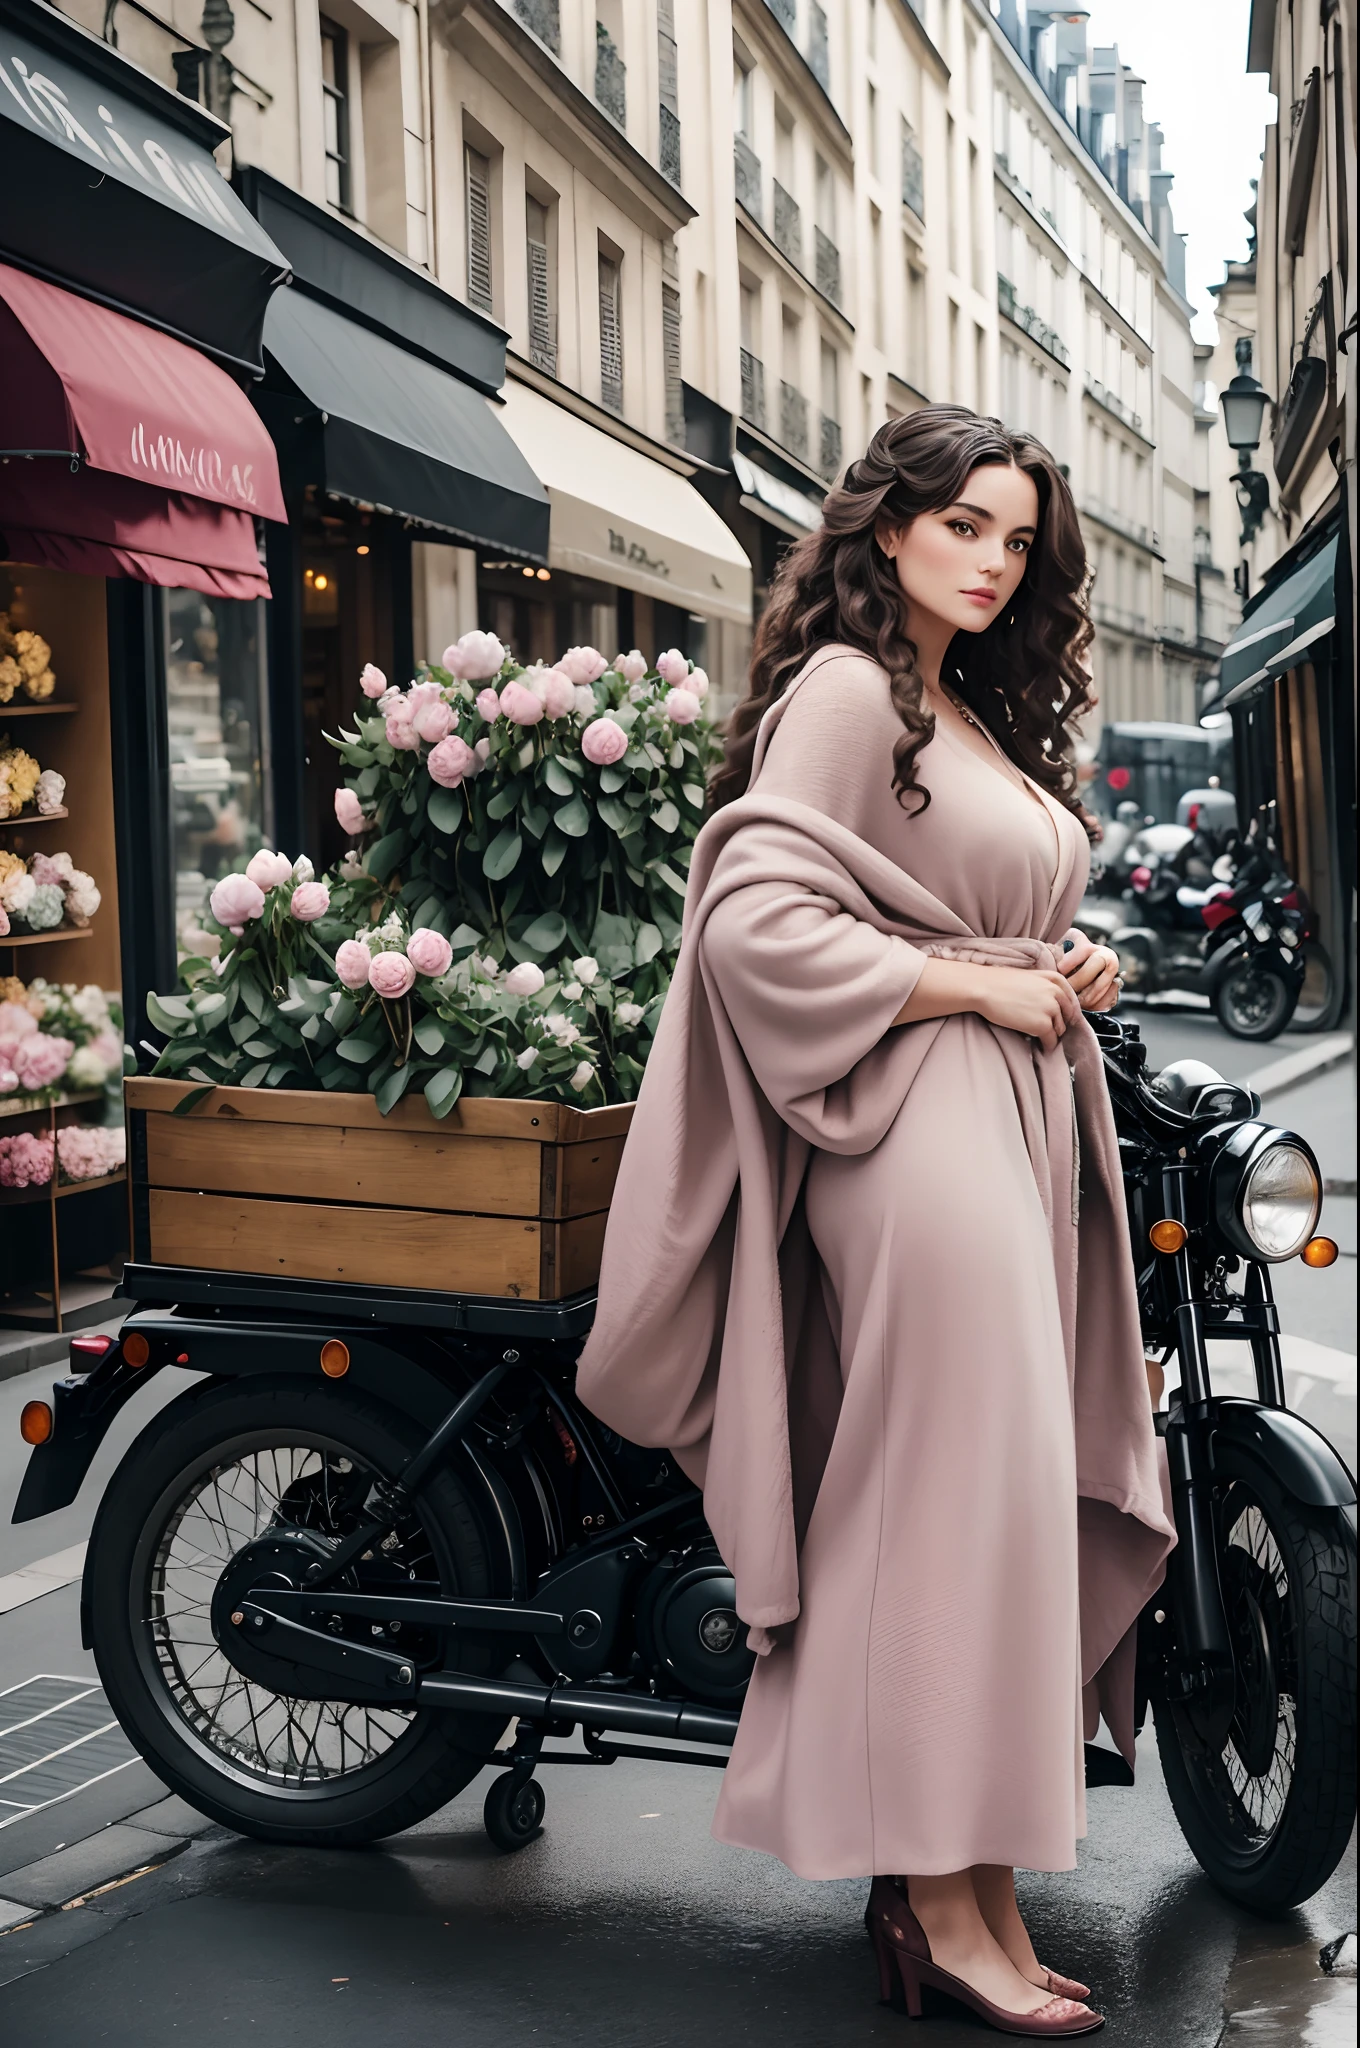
[477, 178]
[539, 265]
[335, 91]
[611, 332]
[217, 717]
[670, 342]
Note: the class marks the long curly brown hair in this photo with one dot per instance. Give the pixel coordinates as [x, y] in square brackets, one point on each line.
[1024, 676]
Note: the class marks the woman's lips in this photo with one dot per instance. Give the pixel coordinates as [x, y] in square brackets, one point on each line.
[981, 596]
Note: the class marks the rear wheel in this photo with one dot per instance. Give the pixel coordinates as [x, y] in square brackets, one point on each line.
[1270, 1814]
[1255, 1000]
[212, 1473]
[1314, 1010]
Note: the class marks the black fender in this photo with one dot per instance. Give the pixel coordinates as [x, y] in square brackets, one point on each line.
[1248, 1437]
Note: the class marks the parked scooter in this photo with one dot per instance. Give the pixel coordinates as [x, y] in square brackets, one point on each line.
[1228, 925]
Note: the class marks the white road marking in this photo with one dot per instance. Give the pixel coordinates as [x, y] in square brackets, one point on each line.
[1297, 1066]
[46, 1575]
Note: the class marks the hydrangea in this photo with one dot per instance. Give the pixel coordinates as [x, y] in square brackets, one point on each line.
[46, 907]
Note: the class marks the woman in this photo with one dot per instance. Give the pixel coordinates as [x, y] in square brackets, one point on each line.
[867, 1270]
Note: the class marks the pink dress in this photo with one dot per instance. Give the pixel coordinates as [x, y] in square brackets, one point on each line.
[924, 1711]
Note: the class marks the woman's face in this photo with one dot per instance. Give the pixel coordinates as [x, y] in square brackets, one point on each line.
[964, 563]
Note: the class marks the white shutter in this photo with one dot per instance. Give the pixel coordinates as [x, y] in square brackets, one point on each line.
[611, 336]
[478, 180]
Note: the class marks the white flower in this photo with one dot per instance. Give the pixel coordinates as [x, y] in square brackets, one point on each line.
[390, 932]
[562, 1028]
[91, 1005]
[572, 991]
[85, 1069]
[351, 867]
[525, 980]
[583, 1076]
[628, 1014]
[585, 701]
[526, 1059]
[698, 682]
[585, 969]
[303, 871]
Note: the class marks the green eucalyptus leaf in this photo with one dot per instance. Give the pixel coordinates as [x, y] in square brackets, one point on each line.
[253, 1076]
[486, 1062]
[166, 1012]
[612, 779]
[557, 778]
[573, 818]
[666, 817]
[546, 933]
[253, 996]
[554, 851]
[502, 854]
[381, 859]
[444, 808]
[693, 794]
[358, 1051]
[429, 1036]
[647, 944]
[504, 801]
[615, 813]
[444, 1090]
[390, 1091]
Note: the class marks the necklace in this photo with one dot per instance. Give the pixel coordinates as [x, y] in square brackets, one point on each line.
[961, 708]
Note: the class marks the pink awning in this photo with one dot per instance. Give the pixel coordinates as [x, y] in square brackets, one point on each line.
[171, 461]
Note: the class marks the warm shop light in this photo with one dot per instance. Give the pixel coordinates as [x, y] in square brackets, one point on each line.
[1168, 1235]
[334, 1359]
[35, 1422]
[526, 572]
[321, 583]
[1320, 1251]
[136, 1350]
[543, 575]
[362, 549]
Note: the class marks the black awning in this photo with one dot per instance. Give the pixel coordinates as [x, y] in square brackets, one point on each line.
[398, 434]
[110, 189]
[1296, 609]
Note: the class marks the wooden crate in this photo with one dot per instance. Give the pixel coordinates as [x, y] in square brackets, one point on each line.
[500, 1198]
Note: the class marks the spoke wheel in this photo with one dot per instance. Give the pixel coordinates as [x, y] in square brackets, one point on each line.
[214, 1472]
[1269, 1814]
[1254, 1001]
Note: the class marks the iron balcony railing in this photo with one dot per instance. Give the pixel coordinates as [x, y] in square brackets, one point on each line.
[793, 420]
[788, 224]
[827, 267]
[1112, 402]
[545, 19]
[829, 453]
[913, 177]
[670, 145]
[611, 73]
[746, 165]
[1029, 321]
[752, 390]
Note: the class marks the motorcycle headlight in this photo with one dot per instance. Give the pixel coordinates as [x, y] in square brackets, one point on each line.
[1266, 1192]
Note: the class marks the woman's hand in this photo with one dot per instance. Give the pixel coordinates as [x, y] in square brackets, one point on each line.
[1092, 972]
[1039, 1002]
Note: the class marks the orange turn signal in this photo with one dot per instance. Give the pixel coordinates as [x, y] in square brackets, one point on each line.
[1168, 1235]
[35, 1422]
[1320, 1251]
[136, 1350]
[334, 1359]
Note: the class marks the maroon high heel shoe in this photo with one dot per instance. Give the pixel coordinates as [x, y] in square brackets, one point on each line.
[905, 1966]
[1060, 1986]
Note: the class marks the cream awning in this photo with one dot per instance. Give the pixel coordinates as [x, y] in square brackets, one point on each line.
[622, 518]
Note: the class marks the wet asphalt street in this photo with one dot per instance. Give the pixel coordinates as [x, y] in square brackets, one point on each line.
[133, 1922]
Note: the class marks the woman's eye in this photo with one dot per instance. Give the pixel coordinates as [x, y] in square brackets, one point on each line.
[962, 526]
[1019, 547]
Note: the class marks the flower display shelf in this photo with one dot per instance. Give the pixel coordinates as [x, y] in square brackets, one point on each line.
[62, 932]
[44, 709]
[65, 1109]
[504, 1198]
[34, 817]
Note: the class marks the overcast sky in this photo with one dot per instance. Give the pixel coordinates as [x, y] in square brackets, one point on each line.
[1193, 56]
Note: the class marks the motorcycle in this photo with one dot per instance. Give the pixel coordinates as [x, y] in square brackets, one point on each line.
[380, 1545]
[1228, 925]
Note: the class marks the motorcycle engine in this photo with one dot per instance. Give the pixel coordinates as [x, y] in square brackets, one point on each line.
[688, 1628]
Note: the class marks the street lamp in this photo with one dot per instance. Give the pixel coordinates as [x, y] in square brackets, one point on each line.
[1244, 410]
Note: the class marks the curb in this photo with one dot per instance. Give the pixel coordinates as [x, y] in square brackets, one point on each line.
[1301, 1065]
[20, 1355]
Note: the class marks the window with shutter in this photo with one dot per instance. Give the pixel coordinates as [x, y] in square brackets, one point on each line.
[477, 176]
[611, 334]
[670, 343]
[542, 311]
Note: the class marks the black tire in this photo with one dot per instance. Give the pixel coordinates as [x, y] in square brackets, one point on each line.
[1269, 1817]
[513, 1812]
[1255, 1000]
[1315, 1010]
[254, 1781]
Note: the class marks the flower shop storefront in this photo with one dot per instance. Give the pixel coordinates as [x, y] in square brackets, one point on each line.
[132, 474]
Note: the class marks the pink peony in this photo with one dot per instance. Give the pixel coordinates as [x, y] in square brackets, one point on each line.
[698, 682]
[236, 900]
[450, 761]
[391, 974]
[433, 721]
[25, 1161]
[269, 870]
[525, 980]
[40, 1060]
[311, 900]
[475, 656]
[488, 704]
[16, 1021]
[680, 706]
[4, 922]
[88, 1151]
[632, 667]
[107, 1048]
[585, 701]
[349, 811]
[401, 734]
[352, 963]
[9, 1080]
[604, 742]
[520, 705]
[559, 693]
[583, 664]
[429, 952]
[672, 666]
[55, 869]
[372, 681]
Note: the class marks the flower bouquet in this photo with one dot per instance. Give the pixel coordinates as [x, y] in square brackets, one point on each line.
[40, 894]
[56, 1038]
[508, 918]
